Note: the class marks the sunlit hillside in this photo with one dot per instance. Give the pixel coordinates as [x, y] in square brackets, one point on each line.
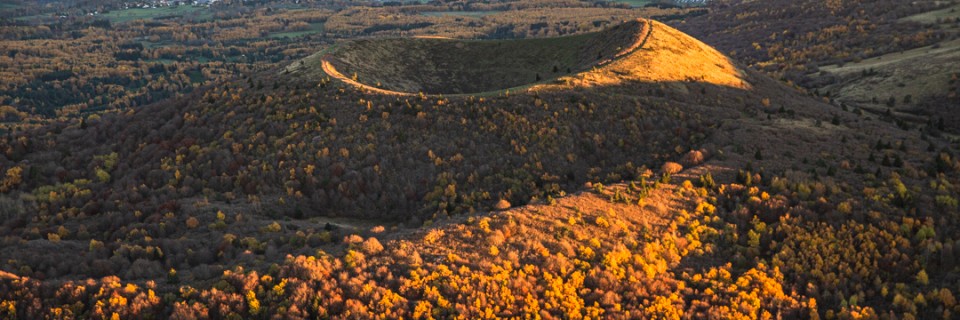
[666, 55]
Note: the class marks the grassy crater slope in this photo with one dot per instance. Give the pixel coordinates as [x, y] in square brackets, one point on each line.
[447, 66]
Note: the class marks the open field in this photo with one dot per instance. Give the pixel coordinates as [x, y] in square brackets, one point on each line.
[33, 17]
[8, 5]
[948, 48]
[919, 73]
[932, 16]
[458, 13]
[314, 28]
[634, 3]
[121, 16]
[161, 61]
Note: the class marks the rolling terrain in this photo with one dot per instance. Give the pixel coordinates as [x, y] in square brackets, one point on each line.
[657, 179]
[918, 85]
[894, 59]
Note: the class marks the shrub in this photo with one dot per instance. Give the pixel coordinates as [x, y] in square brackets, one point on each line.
[601, 222]
[95, 245]
[172, 277]
[433, 236]
[12, 179]
[665, 178]
[103, 176]
[63, 232]
[923, 278]
[253, 303]
[371, 246]
[947, 298]
[193, 223]
[671, 168]
[502, 205]
[946, 202]
[273, 227]
[598, 187]
[845, 207]
[484, 225]
[706, 181]
[585, 252]
[692, 158]
[354, 259]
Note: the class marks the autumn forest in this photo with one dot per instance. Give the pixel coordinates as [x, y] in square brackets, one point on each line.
[522, 159]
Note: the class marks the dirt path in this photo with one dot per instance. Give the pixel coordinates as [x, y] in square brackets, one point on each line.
[332, 72]
[646, 30]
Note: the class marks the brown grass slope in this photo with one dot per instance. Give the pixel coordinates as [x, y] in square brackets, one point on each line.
[665, 55]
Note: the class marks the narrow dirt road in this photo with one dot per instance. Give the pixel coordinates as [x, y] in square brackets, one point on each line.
[332, 72]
